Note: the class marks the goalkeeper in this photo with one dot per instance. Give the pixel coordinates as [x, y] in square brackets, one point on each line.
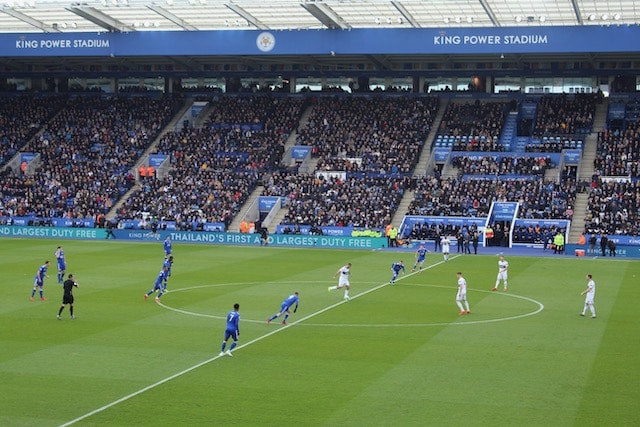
[285, 308]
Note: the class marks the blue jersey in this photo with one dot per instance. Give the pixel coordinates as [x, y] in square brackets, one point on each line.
[40, 275]
[396, 267]
[62, 265]
[288, 303]
[160, 280]
[167, 247]
[168, 263]
[421, 254]
[233, 325]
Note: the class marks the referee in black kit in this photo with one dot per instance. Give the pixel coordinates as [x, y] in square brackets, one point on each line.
[67, 298]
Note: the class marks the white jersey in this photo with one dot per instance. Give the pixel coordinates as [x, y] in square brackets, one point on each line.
[444, 243]
[344, 276]
[503, 266]
[591, 292]
[462, 289]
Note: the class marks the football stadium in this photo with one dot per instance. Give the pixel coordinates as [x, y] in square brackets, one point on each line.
[328, 213]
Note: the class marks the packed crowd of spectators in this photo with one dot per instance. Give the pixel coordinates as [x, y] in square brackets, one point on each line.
[20, 119]
[613, 208]
[618, 152]
[320, 200]
[86, 153]
[481, 120]
[614, 197]
[498, 165]
[538, 199]
[565, 115]
[379, 135]
[216, 167]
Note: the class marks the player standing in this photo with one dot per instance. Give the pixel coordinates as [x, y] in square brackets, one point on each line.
[67, 297]
[232, 330]
[589, 301]
[461, 296]
[285, 308]
[421, 255]
[444, 244]
[396, 267]
[343, 282]
[503, 266]
[38, 281]
[62, 264]
[168, 247]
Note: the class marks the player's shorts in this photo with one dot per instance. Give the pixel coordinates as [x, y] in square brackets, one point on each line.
[230, 334]
[589, 299]
[62, 265]
[38, 283]
[284, 307]
[502, 275]
[461, 297]
[67, 299]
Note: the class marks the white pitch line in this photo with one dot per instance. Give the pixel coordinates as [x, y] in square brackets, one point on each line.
[198, 365]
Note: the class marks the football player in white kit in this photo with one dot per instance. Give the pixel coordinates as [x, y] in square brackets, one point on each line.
[461, 296]
[589, 300]
[444, 243]
[503, 266]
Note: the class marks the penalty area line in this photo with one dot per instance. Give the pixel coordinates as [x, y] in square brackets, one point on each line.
[207, 361]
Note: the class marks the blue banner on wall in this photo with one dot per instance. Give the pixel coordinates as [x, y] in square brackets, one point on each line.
[156, 160]
[572, 157]
[476, 41]
[27, 157]
[441, 154]
[266, 203]
[503, 211]
[300, 152]
[238, 239]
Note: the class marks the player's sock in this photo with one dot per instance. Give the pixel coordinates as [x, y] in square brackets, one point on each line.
[346, 294]
[41, 293]
[273, 317]
[233, 345]
[33, 293]
[71, 310]
[224, 344]
[593, 311]
[286, 316]
[460, 305]
[61, 309]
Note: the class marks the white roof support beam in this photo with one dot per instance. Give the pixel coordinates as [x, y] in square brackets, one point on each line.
[29, 20]
[171, 17]
[325, 15]
[490, 14]
[405, 14]
[246, 15]
[576, 10]
[100, 19]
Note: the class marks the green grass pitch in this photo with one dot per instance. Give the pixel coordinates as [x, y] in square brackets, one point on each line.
[392, 356]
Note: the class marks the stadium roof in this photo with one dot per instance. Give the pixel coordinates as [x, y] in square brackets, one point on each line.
[55, 16]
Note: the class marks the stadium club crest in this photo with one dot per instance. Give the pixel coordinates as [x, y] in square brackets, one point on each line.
[266, 42]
